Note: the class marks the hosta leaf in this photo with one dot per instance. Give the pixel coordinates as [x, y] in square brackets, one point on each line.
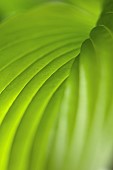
[91, 119]
[37, 51]
[56, 106]
[11, 7]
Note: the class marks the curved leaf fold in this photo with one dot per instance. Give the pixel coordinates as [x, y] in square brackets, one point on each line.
[56, 97]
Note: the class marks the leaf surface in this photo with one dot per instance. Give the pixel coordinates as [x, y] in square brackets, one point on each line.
[56, 96]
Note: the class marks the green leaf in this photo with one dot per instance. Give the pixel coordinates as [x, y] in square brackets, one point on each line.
[8, 8]
[37, 51]
[89, 106]
[56, 106]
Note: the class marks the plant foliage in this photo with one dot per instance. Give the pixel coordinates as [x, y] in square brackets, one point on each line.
[56, 84]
